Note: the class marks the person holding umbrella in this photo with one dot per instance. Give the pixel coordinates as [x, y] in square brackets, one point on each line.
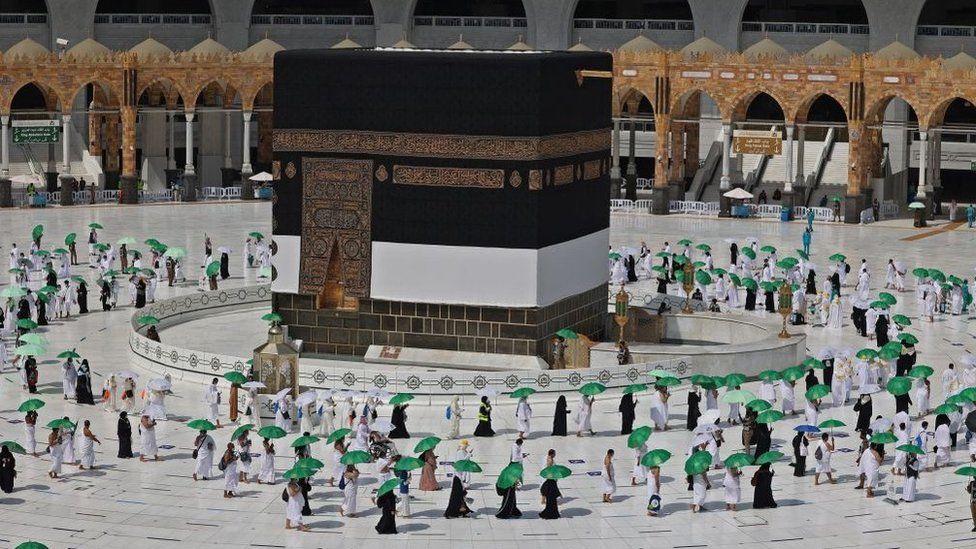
[203, 453]
[550, 490]
[822, 456]
[386, 501]
[293, 511]
[762, 480]
[350, 488]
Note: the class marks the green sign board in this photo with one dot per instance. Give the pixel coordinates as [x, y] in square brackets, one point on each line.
[37, 134]
[972, 166]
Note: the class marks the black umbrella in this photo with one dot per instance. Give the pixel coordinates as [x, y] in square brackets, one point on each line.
[971, 421]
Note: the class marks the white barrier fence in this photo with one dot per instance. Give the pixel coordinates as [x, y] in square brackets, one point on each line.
[712, 208]
[819, 214]
[201, 366]
[221, 193]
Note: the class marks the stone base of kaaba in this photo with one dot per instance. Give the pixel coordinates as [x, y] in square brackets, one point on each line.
[468, 328]
[455, 360]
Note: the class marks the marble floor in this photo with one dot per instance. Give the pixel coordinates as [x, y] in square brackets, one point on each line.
[126, 503]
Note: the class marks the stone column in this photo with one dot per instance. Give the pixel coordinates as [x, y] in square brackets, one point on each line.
[676, 175]
[247, 186]
[923, 142]
[95, 134]
[800, 169]
[856, 173]
[615, 161]
[66, 182]
[128, 183]
[659, 192]
[788, 197]
[6, 196]
[227, 159]
[111, 152]
[726, 181]
[631, 193]
[189, 172]
[935, 178]
[171, 141]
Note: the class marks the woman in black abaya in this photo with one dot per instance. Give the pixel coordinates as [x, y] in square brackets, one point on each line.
[83, 390]
[865, 409]
[225, 274]
[626, 409]
[693, 410]
[750, 299]
[800, 444]
[7, 470]
[457, 506]
[140, 293]
[125, 436]
[559, 420]
[399, 420]
[550, 493]
[387, 504]
[763, 482]
[105, 295]
[41, 310]
[484, 420]
[763, 438]
[82, 293]
[509, 508]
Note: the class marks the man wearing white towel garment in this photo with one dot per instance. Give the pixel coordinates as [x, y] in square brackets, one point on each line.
[203, 453]
[69, 377]
[942, 444]
[86, 446]
[922, 441]
[608, 478]
[267, 474]
[901, 433]
[733, 493]
[55, 448]
[327, 411]
[821, 454]
[787, 391]
[908, 490]
[869, 466]
[211, 397]
[30, 440]
[639, 474]
[584, 415]
[523, 414]
[699, 485]
[147, 439]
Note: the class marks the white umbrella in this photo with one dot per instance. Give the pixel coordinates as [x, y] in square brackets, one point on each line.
[729, 240]
[709, 416]
[325, 393]
[825, 353]
[382, 425]
[224, 250]
[262, 176]
[487, 392]
[968, 359]
[378, 393]
[159, 384]
[880, 425]
[344, 394]
[154, 411]
[706, 428]
[701, 439]
[281, 394]
[738, 194]
[125, 374]
[306, 398]
[254, 385]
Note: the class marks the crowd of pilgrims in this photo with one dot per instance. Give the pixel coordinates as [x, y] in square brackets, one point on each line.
[854, 380]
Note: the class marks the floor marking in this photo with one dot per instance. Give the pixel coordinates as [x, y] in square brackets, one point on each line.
[203, 524]
[162, 539]
[89, 514]
[130, 501]
[875, 531]
[943, 229]
[66, 529]
[858, 515]
[942, 503]
[784, 539]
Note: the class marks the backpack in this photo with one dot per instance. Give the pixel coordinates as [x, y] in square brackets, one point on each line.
[447, 413]
[847, 268]
[342, 482]
[222, 464]
[818, 455]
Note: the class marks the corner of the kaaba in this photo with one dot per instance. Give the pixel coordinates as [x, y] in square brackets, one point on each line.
[453, 196]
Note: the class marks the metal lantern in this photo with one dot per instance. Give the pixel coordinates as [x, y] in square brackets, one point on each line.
[620, 310]
[276, 363]
[688, 283]
[785, 306]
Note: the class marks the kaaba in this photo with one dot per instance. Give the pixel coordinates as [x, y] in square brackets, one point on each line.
[450, 200]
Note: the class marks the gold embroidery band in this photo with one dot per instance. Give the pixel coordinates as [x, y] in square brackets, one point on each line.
[449, 177]
[470, 147]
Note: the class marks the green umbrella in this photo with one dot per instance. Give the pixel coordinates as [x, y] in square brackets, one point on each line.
[812, 363]
[768, 457]
[738, 461]
[555, 472]
[70, 238]
[60, 424]
[355, 456]
[703, 247]
[100, 246]
[14, 447]
[879, 304]
[78, 279]
[678, 259]
[734, 379]
[831, 424]
[635, 388]
[31, 405]
[887, 298]
[767, 249]
[748, 252]
[668, 381]
[899, 385]
[698, 264]
[522, 392]
[175, 252]
[425, 444]
[401, 398]
[387, 487]
[952, 279]
[272, 431]
[297, 472]
[838, 258]
[768, 286]
[663, 254]
[786, 265]
[614, 255]
[901, 320]
[509, 476]
[700, 379]
[467, 466]
[817, 392]
[201, 425]
[883, 438]
[769, 416]
[42, 253]
[257, 235]
[803, 254]
[69, 354]
[304, 441]
[910, 448]
[659, 269]
[969, 394]
[685, 242]
[698, 463]
[59, 251]
[638, 436]
[735, 279]
[130, 270]
[34, 339]
[47, 290]
[770, 375]
[957, 399]
[719, 271]
[241, 430]
[890, 350]
[592, 388]
[337, 435]
[750, 284]
[31, 545]
[946, 409]
[30, 350]
[937, 275]
[37, 232]
[95, 226]
[793, 373]
[655, 458]
[13, 292]
[566, 333]
[921, 371]
[966, 471]
[867, 354]
[758, 405]
[235, 377]
[920, 272]
[273, 318]
[213, 269]
[45, 297]
[739, 396]
[15, 271]
[408, 463]
[703, 278]
[908, 339]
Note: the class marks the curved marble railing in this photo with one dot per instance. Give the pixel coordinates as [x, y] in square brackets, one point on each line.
[200, 366]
